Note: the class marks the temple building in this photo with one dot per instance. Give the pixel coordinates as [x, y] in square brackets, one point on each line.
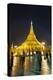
[27, 48]
[31, 43]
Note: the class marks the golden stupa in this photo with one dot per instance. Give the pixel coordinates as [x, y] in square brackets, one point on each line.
[31, 43]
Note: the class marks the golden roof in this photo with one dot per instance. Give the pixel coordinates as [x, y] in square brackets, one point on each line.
[31, 42]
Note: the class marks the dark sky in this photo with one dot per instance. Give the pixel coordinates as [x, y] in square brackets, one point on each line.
[19, 18]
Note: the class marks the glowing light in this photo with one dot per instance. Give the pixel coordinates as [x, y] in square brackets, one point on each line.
[15, 46]
[30, 53]
[43, 43]
[27, 53]
[34, 52]
[42, 52]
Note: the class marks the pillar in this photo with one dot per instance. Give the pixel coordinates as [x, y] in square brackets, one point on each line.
[16, 66]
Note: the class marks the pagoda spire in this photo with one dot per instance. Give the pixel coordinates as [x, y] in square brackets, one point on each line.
[31, 27]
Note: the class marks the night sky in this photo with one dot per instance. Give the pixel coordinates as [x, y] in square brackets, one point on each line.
[19, 18]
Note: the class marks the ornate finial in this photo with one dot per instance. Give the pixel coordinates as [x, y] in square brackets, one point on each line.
[31, 28]
[31, 22]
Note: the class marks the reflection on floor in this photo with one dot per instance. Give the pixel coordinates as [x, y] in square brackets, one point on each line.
[30, 66]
